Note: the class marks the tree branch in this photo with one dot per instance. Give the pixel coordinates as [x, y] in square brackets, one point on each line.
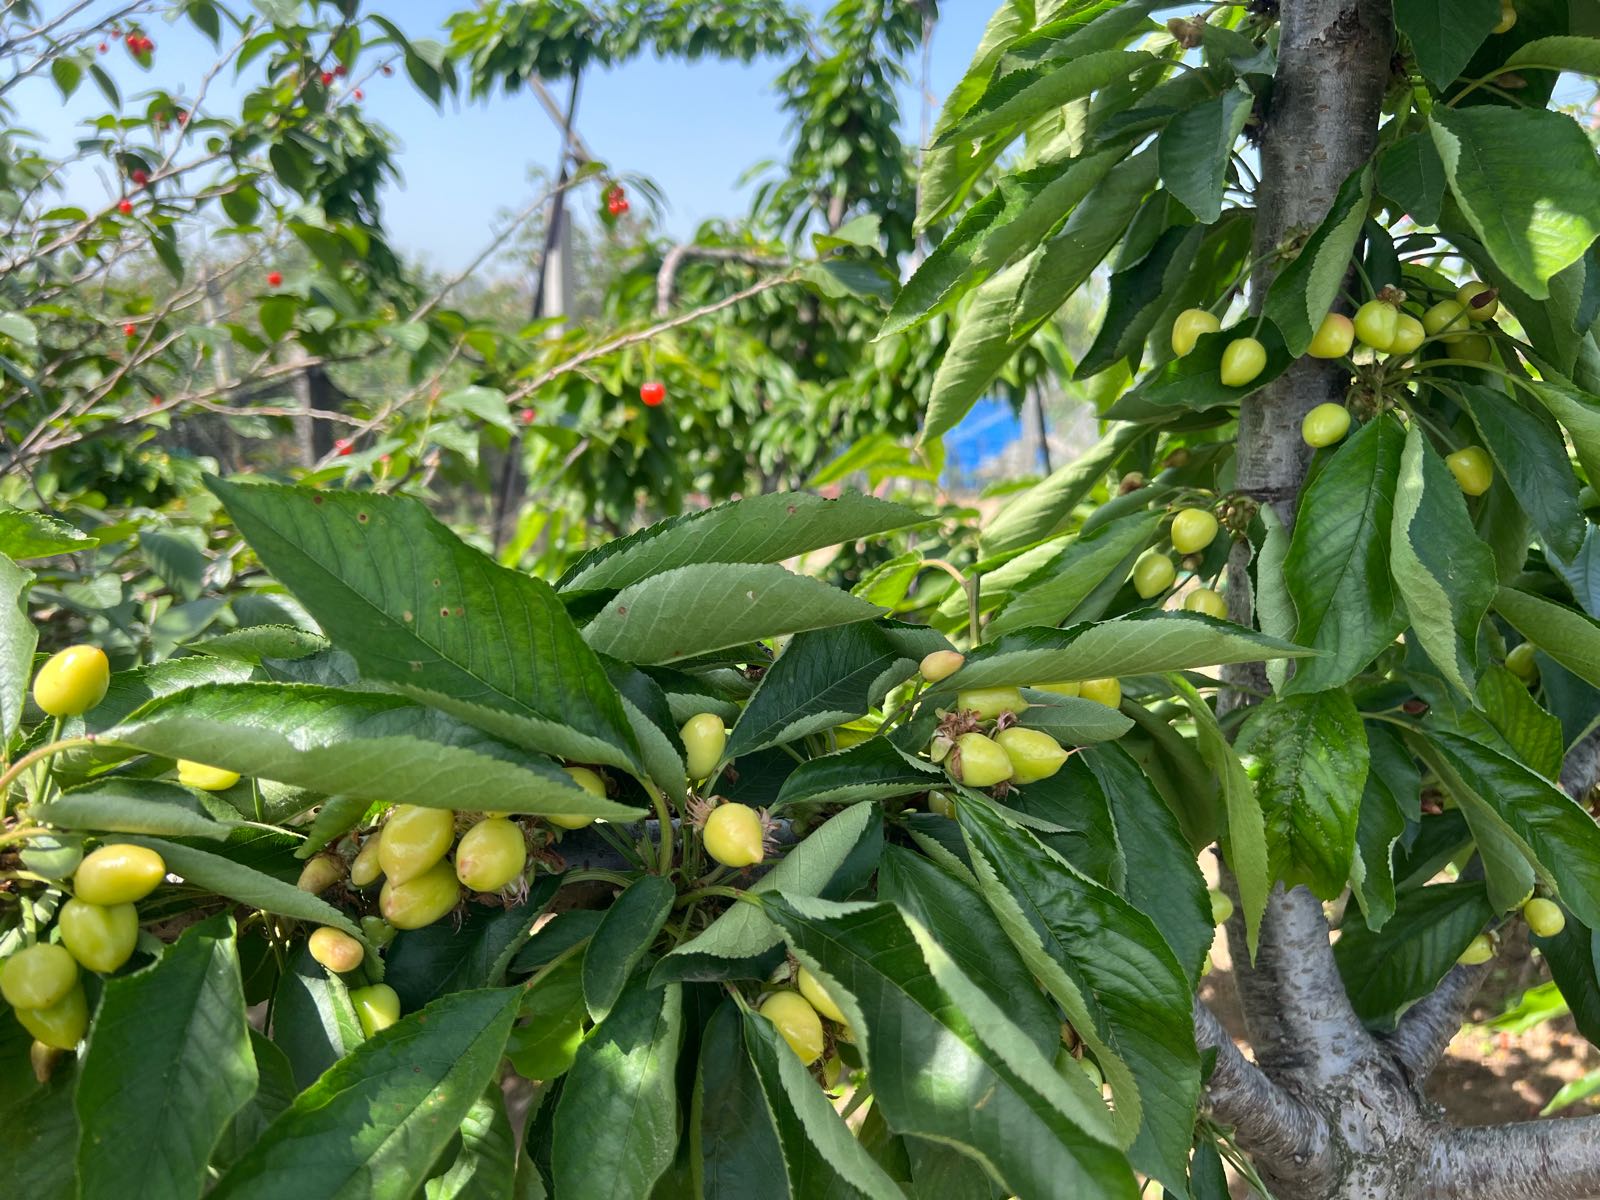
[1266, 1120]
[1580, 769]
[1423, 1034]
[667, 276]
[1557, 1159]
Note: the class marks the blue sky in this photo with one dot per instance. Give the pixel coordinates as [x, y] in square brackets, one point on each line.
[694, 129]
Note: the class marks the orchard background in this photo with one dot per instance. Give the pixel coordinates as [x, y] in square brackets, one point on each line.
[1042, 641]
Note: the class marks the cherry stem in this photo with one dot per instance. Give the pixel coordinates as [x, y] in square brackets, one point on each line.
[40, 755]
[968, 585]
[666, 852]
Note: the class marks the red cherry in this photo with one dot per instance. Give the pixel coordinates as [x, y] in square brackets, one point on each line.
[183, 116]
[339, 70]
[343, 446]
[124, 207]
[358, 95]
[103, 47]
[274, 278]
[653, 393]
[526, 416]
[327, 78]
[614, 208]
[129, 329]
[387, 69]
[116, 34]
[622, 207]
[141, 176]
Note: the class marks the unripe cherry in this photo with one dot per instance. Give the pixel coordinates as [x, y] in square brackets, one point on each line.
[320, 873]
[72, 681]
[1408, 335]
[1221, 907]
[990, 702]
[413, 839]
[1061, 688]
[1102, 691]
[1204, 600]
[335, 949]
[63, 1024]
[1544, 917]
[733, 835]
[1325, 424]
[817, 996]
[1479, 299]
[1153, 574]
[980, 762]
[797, 1022]
[101, 937]
[1375, 324]
[1333, 338]
[1034, 754]
[1445, 317]
[422, 899]
[704, 737]
[590, 782]
[207, 779]
[1473, 469]
[377, 1007]
[38, 976]
[1243, 360]
[491, 854]
[1520, 661]
[941, 664]
[118, 874]
[1479, 950]
[1193, 529]
[1188, 328]
[365, 868]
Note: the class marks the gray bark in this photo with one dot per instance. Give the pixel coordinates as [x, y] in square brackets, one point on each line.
[1329, 1112]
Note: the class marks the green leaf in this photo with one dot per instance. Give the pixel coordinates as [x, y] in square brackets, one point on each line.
[485, 1166]
[946, 901]
[693, 610]
[37, 535]
[1567, 636]
[378, 1120]
[1137, 997]
[253, 643]
[1244, 842]
[1017, 97]
[1311, 764]
[1142, 643]
[1533, 735]
[486, 404]
[1013, 218]
[223, 877]
[945, 1061]
[1195, 150]
[313, 1021]
[1580, 55]
[1445, 34]
[1534, 223]
[1045, 508]
[471, 952]
[369, 744]
[1554, 830]
[1574, 959]
[18, 638]
[274, 1092]
[616, 1124]
[761, 529]
[168, 1064]
[419, 609]
[1338, 566]
[825, 678]
[38, 1128]
[1007, 309]
[822, 1154]
[544, 1046]
[1140, 295]
[875, 769]
[1579, 414]
[120, 805]
[1051, 594]
[1385, 973]
[1444, 572]
[1071, 720]
[734, 1147]
[1162, 878]
[623, 937]
[1391, 796]
[1528, 449]
[743, 931]
[1410, 174]
[1303, 292]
